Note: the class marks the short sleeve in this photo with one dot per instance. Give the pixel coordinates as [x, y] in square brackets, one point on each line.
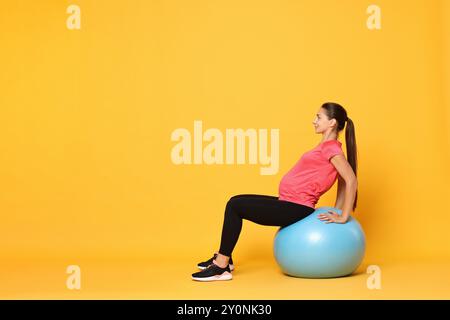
[331, 149]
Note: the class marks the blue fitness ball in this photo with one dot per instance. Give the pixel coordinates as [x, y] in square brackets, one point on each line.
[311, 248]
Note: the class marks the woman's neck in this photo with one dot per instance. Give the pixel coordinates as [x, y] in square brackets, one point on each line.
[329, 136]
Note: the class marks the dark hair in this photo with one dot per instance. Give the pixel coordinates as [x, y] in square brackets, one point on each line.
[336, 111]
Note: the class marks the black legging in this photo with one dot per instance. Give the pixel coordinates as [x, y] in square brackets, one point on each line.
[261, 209]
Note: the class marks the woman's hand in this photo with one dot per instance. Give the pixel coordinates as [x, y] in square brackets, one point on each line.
[332, 216]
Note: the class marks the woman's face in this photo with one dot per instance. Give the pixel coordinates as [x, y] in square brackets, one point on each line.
[321, 122]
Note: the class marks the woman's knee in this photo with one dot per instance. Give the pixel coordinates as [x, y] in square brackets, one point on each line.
[230, 203]
[240, 198]
[233, 204]
[236, 197]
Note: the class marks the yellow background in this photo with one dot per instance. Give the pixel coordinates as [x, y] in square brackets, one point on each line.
[87, 116]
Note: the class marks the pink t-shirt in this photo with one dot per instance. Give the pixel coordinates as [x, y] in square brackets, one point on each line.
[311, 176]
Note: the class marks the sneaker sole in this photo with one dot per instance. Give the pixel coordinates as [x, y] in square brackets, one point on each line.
[231, 267]
[223, 277]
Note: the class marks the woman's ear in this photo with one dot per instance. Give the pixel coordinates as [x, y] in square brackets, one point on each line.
[333, 123]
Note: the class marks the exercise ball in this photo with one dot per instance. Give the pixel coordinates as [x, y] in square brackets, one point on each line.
[311, 248]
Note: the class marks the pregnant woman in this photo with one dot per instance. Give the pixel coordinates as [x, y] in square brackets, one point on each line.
[299, 191]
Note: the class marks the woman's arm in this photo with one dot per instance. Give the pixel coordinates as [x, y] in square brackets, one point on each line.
[340, 193]
[346, 191]
[350, 194]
